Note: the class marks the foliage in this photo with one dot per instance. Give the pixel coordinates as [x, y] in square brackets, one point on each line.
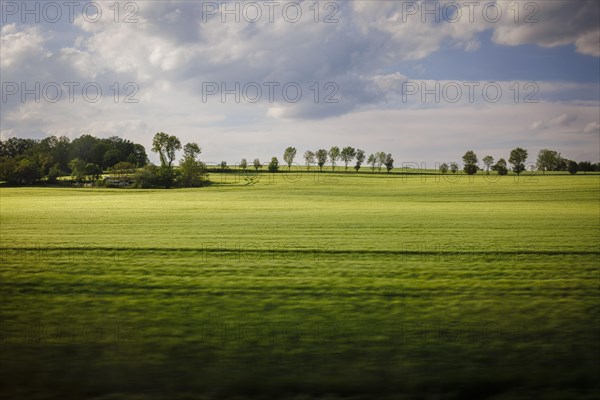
[334, 155]
[274, 165]
[165, 146]
[470, 163]
[501, 167]
[517, 159]
[309, 159]
[389, 162]
[360, 159]
[321, 155]
[347, 155]
[488, 161]
[289, 155]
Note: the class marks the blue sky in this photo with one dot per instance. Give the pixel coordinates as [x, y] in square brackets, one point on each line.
[365, 62]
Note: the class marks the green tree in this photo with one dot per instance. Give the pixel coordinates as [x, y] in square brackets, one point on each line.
[372, 161]
[380, 158]
[243, 164]
[586, 166]
[54, 173]
[547, 160]
[192, 172]
[389, 162]
[122, 169]
[165, 146]
[488, 161]
[27, 172]
[274, 165]
[77, 167]
[470, 162]
[347, 155]
[321, 158]
[92, 171]
[111, 157]
[309, 158]
[360, 159]
[334, 155]
[138, 156]
[501, 167]
[444, 168]
[454, 167]
[517, 159]
[257, 164]
[572, 167]
[288, 156]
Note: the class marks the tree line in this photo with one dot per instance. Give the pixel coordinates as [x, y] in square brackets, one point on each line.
[28, 161]
[321, 157]
[547, 160]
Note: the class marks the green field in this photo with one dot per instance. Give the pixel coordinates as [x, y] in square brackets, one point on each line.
[304, 286]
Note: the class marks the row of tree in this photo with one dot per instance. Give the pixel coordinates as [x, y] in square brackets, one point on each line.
[26, 161]
[321, 157]
[547, 160]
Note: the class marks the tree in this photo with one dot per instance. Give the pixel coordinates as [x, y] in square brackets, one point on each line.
[26, 172]
[77, 167]
[243, 164]
[454, 167]
[309, 158]
[470, 162]
[257, 165]
[488, 161]
[192, 172]
[572, 167]
[517, 159]
[501, 167]
[274, 165]
[360, 158]
[122, 169]
[444, 168]
[372, 161]
[547, 160]
[288, 156]
[92, 171]
[321, 158]
[223, 166]
[138, 156]
[586, 166]
[380, 158]
[334, 155]
[54, 173]
[347, 155]
[389, 163]
[165, 146]
[110, 158]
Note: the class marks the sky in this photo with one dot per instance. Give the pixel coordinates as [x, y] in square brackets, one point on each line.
[425, 81]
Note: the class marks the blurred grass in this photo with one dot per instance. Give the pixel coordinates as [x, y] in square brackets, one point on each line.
[357, 287]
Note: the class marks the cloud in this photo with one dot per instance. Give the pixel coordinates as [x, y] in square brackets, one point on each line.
[592, 127]
[172, 50]
[553, 23]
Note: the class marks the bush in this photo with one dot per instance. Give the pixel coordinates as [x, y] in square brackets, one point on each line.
[274, 165]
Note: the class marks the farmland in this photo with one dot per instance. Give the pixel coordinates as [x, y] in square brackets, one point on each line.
[302, 284]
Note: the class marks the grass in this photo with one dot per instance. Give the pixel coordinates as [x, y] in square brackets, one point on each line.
[352, 286]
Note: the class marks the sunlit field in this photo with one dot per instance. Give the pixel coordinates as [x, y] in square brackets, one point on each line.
[304, 285]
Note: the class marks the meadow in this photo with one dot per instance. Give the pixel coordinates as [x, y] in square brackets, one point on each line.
[304, 285]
